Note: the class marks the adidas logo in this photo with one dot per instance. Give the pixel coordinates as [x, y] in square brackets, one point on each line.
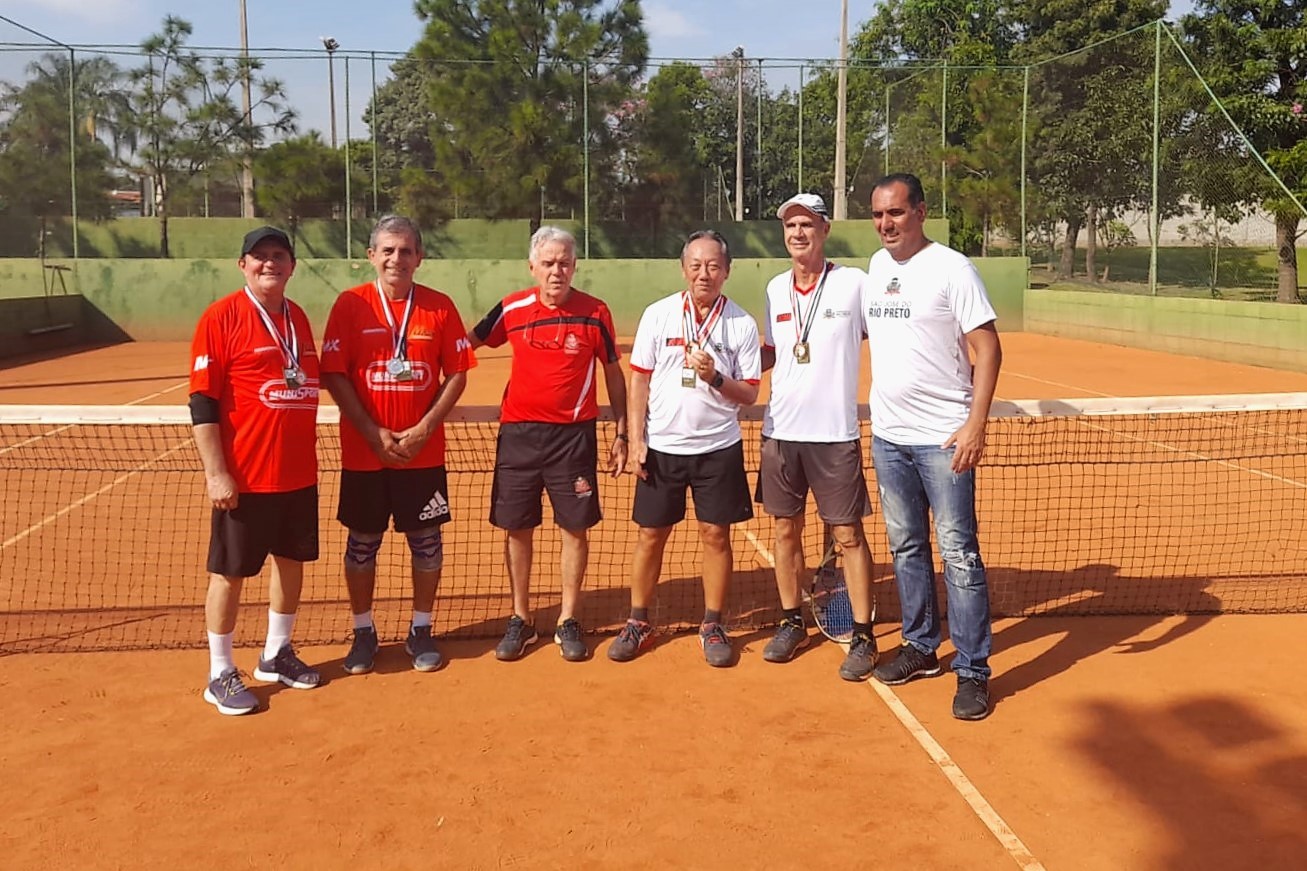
[436, 507]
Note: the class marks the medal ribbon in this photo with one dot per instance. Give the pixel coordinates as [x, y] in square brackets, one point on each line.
[705, 329]
[290, 350]
[400, 338]
[804, 325]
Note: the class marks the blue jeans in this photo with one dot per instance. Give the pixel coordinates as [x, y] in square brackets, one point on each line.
[915, 481]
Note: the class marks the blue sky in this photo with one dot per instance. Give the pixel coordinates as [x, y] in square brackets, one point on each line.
[677, 28]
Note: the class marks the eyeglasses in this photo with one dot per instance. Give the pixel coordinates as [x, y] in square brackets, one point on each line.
[544, 342]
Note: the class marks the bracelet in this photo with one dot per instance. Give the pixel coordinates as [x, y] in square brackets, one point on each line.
[717, 381]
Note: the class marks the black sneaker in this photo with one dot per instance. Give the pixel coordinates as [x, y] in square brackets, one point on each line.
[790, 638]
[910, 663]
[422, 647]
[568, 638]
[636, 637]
[716, 645]
[861, 658]
[362, 651]
[289, 669]
[972, 699]
[516, 638]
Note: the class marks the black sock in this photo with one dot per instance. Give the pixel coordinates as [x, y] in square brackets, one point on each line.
[641, 614]
[792, 615]
[712, 616]
[862, 629]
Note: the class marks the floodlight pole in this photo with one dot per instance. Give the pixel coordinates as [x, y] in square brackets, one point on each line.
[331, 45]
[841, 201]
[738, 54]
[247, 159]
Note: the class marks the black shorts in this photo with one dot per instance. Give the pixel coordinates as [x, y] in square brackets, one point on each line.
[281, 524]
[716, 479]
[832, 470]
[560, 458]
[416, 498]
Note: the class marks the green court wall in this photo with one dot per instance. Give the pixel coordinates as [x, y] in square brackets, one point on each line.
[160, 300]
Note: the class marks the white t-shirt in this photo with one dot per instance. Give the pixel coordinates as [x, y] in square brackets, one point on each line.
[698, 419]
[815, 401]
[917, 314]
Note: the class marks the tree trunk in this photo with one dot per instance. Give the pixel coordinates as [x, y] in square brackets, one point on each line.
[1091, 245]
[161, 211]
[984, 236]
[1286, 233]
[1068, 266]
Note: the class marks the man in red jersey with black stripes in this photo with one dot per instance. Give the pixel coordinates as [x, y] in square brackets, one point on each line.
[547, 435]
[254, 407]
[395, 358]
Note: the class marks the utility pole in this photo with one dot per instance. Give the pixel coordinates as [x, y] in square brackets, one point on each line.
[738, 54]
[331, 45]
[841, 202]
[247, 160]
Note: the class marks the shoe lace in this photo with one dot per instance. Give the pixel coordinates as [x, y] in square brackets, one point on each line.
[232, 683]
[516, 630]
[631, 633]
[713, 633]
[789, 629]
[859, 644]
[569, 630]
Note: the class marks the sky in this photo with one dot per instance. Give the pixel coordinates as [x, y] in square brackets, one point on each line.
[677, 29]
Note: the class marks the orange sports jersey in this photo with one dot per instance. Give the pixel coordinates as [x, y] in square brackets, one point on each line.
[358, 344]
[268, 429]
[555, 350]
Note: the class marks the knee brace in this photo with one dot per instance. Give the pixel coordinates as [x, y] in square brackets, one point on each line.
[428, 549]
[361, 551]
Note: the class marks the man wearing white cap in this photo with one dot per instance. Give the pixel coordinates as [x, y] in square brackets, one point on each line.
[811, 440]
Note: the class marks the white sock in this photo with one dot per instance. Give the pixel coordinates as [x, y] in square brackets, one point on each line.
[421, 618]
[220, 658]
[279, 628]
[364, 620]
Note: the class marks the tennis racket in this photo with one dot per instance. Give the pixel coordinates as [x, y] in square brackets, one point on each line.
[828, 596]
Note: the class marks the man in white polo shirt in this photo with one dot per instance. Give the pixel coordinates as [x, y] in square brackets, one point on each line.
[935, 358]
[811, 439]
[694, 362]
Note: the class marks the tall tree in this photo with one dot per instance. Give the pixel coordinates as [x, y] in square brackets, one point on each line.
[508, 84]
[1255, 58]
[300, 178]
[188, 117]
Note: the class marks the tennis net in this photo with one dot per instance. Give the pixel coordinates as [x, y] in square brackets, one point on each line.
[1120, 506]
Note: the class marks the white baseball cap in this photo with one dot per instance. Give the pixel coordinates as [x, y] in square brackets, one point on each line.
[808, 202]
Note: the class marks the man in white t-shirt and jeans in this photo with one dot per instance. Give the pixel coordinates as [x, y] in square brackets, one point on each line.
[694, 362]
[811, 439]
[935, 358]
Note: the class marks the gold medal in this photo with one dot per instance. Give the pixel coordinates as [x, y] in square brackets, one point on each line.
[687, 377]
[801, 352]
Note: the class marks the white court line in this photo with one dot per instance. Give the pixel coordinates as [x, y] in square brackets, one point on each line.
[979, 805]
[1055, 384]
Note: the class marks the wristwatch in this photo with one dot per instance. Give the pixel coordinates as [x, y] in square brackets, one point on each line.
[717, 381]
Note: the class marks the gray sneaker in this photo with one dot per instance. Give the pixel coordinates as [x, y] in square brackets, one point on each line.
[790, 638]
[636, 637]
[289, 669]
[228, 694]
[861, 658]
[716, 645]
[516, 638]
[422, 647]
[362, 651]
[568, 638]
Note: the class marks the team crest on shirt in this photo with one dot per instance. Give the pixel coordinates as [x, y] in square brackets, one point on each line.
[421, 334]
[893, 287]
[582, 488]
[571, 344]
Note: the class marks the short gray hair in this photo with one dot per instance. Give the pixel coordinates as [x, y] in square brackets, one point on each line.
[707, 234]
[546, 235]
[396, 224]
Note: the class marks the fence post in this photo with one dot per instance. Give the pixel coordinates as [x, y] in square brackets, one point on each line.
[349, 200]
[1155, 220]
[376, 210]
[1025, 112]
[72, 141]
[800, 127]
[943, 144]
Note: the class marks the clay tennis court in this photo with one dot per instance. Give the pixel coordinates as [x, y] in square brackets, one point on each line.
[1115, 742]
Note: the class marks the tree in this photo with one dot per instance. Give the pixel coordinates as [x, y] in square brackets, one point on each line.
[401, 119]
[34, 163]
[1255, 62]
[300, 178]
[508, 80]
[187, 118]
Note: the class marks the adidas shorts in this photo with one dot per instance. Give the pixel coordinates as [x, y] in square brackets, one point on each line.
[416, 498]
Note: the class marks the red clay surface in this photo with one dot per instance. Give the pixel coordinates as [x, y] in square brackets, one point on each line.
[1127, 742]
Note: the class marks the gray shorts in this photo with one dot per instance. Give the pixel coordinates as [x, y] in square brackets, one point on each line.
[832, 470]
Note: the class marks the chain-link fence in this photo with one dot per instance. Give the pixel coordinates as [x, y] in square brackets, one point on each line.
[1112, 166]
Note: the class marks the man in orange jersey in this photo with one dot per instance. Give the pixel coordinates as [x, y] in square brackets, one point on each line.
[395, 358]
[254, 406]
[547, 436]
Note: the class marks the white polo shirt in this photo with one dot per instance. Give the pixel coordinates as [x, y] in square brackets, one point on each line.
[815, 401]
[698, 419]
[917, 314]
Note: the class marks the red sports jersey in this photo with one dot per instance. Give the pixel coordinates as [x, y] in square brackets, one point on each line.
[555, 351]
[269, 429]
[359, 342]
